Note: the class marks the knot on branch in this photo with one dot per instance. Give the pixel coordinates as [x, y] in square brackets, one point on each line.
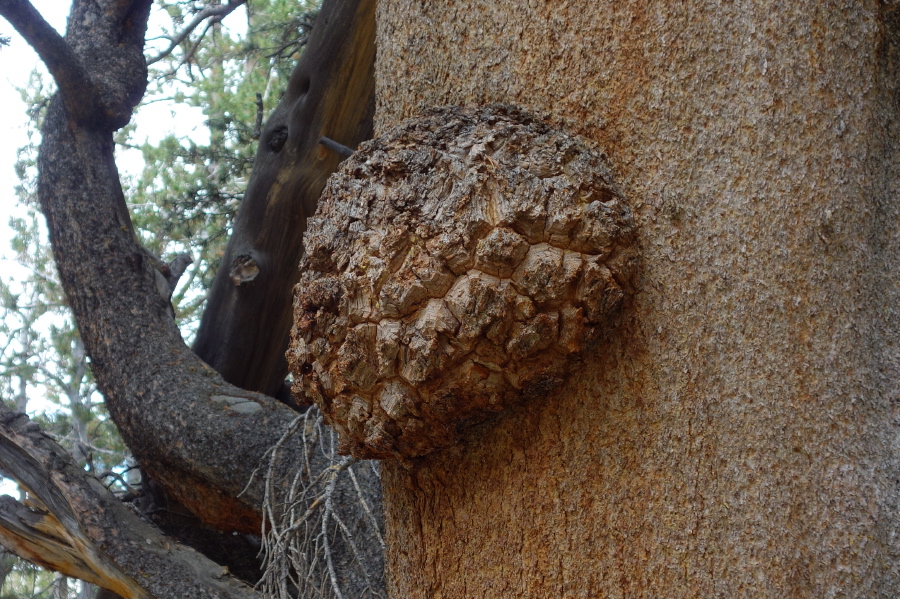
[455, 266]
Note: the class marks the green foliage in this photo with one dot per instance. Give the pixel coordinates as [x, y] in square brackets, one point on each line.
[22, 580]
[42, 356]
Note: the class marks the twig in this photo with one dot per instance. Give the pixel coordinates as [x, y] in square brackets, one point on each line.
[294, 44]
[118, 477]
[336, 147]
[335, 586]
[302, 527]
[212, 12]
[367, 509]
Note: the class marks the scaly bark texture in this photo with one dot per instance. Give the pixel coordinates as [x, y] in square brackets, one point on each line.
[455, 266]
[738, 436]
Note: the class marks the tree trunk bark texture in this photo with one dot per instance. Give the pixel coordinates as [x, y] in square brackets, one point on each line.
[738, 435]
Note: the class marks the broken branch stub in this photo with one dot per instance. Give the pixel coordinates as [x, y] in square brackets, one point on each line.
[456, 265]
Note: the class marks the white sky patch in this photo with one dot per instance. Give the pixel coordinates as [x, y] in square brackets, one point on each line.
[17, 61]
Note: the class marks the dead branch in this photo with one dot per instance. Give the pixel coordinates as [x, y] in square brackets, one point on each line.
[301, 526]
[72, 524]
[244, 330]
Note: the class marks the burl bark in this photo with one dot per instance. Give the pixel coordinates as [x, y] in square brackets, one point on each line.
[455, 266]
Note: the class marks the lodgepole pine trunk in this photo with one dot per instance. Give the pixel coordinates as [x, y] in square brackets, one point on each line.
[738, 435]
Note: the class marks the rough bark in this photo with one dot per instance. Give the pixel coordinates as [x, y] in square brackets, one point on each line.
[738, 436]
[72, 524]
[176, 414]
[245, 327]
[457, 265]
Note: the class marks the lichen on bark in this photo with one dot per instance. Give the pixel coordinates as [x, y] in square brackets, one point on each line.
[455, 266]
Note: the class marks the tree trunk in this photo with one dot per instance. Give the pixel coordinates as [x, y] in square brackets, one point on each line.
[738, 435]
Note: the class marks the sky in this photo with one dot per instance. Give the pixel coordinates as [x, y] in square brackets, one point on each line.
[17, 60]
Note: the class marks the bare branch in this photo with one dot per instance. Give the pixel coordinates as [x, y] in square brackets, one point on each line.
[212, 12]
[117, 477]
[78, 91]
[294, 45]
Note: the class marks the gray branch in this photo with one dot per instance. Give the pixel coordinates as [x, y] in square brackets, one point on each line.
[216, 12]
